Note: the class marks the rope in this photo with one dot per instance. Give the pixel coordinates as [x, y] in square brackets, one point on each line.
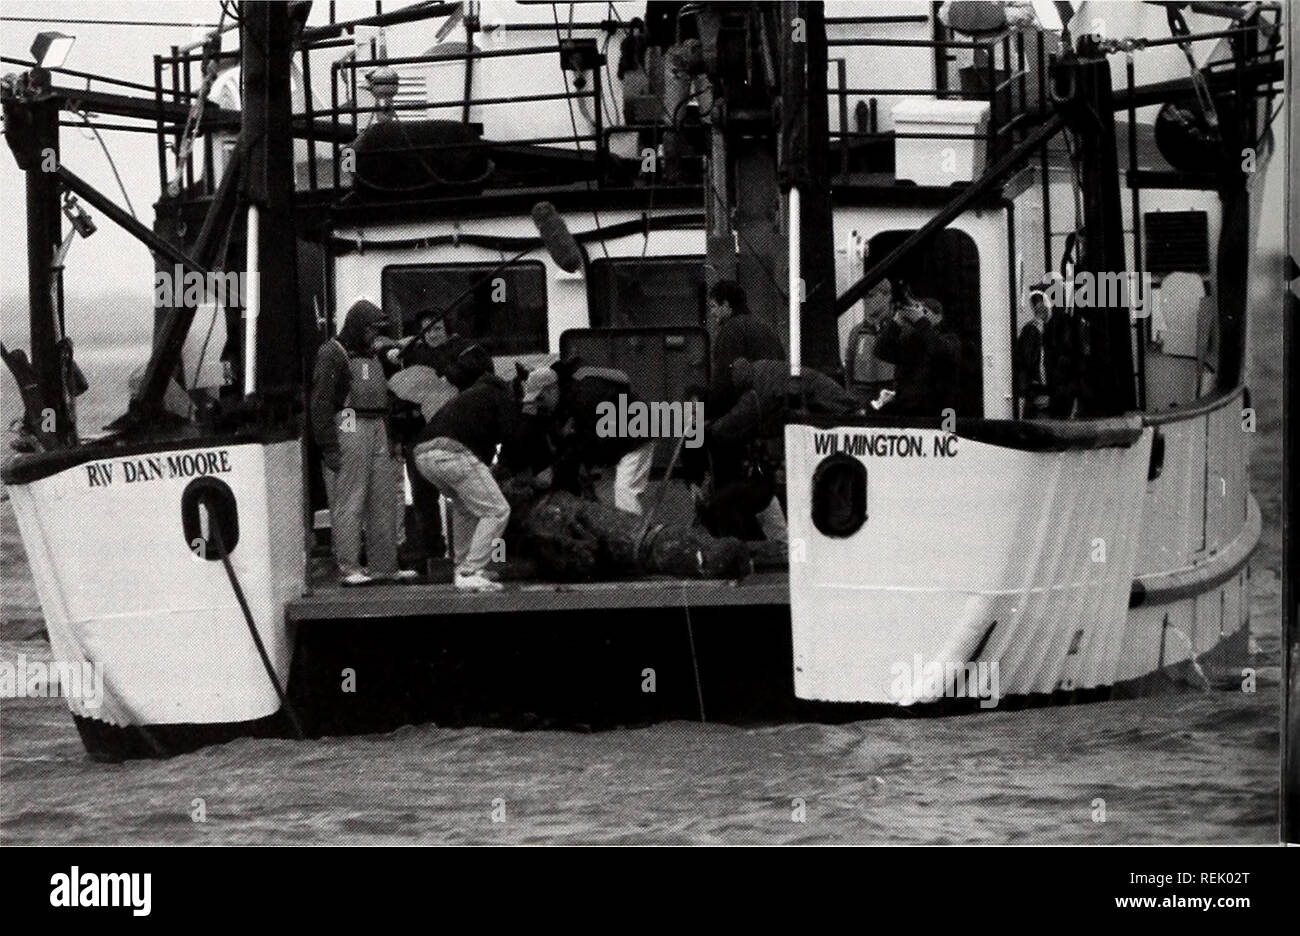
[695, 663]
[220, 543]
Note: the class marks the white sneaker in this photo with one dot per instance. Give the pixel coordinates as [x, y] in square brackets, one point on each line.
[476, 582]
[404, 575]
[356, 578]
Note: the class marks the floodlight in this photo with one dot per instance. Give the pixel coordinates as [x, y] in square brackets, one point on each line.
[50, 49]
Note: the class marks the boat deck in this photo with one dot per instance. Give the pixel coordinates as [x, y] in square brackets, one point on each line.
[333, 602]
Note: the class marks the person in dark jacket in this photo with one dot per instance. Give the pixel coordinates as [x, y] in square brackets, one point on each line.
[349, 410]
[736, 333]
[926, 359]
[454, 452]
[458, 360]
[574, 396]
[1062, 362]
[755, 427]
[1031, 360]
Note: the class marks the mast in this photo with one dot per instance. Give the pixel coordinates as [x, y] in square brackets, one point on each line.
[802, 177]
[805, 127]
[32, 131]
[272, 321]
[1090, 112]
[1291, 449]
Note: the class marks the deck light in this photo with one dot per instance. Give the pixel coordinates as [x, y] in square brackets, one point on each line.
[50, 49]
[384, 83]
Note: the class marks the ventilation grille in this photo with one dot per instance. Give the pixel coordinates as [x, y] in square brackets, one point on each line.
[1177, 242]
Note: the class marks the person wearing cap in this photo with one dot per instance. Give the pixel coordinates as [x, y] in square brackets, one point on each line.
[349, 419]
[454, 452]
[571, 395]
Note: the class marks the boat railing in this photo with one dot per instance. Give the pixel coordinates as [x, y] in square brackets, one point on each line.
[335, 127]
[1008, 70]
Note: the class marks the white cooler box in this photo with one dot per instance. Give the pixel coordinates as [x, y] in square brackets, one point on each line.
[933, 161]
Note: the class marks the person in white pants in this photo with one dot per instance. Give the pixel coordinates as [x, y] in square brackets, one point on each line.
[479, 512]
[572, 397]
[453, 452]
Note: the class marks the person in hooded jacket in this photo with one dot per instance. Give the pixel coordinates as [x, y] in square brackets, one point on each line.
[349, 421]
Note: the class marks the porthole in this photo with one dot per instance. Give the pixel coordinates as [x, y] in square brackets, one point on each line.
[839, 496]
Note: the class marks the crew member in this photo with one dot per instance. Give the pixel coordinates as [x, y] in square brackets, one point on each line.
[453, 452]
[754, 430]
[349, 410]
[572, 396]
[672, 30]
[458, 360]
[736, 333]
[461, 361]
[1031, 360]
[926, 359]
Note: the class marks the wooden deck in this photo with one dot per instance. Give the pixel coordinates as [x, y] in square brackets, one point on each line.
[335, 603]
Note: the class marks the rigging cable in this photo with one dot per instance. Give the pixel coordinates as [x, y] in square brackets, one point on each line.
[224, 255]
[111, 163]
[64, 21]
[208, 68]
[573, 120]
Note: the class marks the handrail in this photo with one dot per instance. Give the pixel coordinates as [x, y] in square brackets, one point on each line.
[89, 76]
[346, 64]
[1195, 408]
[458, 102]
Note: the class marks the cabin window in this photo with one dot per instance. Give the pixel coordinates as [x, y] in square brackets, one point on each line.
[647, 292]
[504, 310]
[947, 268]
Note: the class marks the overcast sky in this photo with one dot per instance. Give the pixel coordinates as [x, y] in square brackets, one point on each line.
[111, 260]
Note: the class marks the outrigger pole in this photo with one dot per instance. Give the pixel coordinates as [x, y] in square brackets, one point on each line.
[32, 130]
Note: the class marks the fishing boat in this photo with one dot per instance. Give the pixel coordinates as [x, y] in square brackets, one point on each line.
[816, 153]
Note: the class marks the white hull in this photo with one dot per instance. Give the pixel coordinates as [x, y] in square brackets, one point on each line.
[120, 585]
[1026, 559]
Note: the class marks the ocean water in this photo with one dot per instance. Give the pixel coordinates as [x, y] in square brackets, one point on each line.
[1190, 766]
